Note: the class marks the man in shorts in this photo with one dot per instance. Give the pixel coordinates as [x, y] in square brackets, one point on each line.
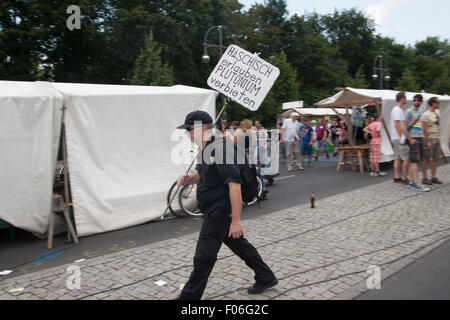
[399, 136]
[307, 140]
[431, 131]
[321, 139]
[414, 128]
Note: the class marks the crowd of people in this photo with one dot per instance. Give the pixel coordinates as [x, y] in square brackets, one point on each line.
[299, 137]
[415, 138]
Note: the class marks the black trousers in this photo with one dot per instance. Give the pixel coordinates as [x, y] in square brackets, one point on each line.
[215, 229]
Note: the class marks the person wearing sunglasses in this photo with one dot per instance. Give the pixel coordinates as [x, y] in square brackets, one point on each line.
[431, 131]
[414, 128]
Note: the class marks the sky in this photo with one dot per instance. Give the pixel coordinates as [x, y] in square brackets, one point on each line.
[407, 21]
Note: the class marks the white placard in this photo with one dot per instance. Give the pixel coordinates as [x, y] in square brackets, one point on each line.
[243, 76]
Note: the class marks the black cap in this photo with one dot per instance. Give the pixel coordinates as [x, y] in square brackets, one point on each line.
[199, 116]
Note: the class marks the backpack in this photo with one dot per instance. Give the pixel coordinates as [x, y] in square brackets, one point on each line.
[249, 188]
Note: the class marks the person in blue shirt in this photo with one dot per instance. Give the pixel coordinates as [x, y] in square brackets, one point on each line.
[307, 140]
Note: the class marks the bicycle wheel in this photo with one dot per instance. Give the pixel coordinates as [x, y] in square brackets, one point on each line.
[188, 201]
[261, 193]
[174, 208]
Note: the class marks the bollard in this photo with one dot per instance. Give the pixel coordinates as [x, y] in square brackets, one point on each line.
[312, 200]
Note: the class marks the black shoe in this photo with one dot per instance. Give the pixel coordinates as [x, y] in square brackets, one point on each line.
[258, 287]
[397, 180]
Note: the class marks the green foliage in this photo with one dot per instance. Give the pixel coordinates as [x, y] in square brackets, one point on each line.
[442, 84]
[315, 53]
[285, 89]
[149, 69]
[407, 82]
[358, 81]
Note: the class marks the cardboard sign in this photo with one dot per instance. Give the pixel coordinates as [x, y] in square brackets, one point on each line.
[243, 76]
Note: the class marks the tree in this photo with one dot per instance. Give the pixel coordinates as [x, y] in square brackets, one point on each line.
[407, 82]
[285, 89]
[358, 81]
[149, 69]
[442, 84]
[348, 31]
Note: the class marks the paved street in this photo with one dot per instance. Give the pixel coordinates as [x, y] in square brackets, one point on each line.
[320, 253]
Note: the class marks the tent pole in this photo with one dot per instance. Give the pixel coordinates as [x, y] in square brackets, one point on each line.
[65, 162]
[349, 127]
[338, 114]
[384, 125]
[192, 163]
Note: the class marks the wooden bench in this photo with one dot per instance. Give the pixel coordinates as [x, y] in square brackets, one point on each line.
[353, 153]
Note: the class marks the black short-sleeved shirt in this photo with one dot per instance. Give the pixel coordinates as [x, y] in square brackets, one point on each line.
[216, 173]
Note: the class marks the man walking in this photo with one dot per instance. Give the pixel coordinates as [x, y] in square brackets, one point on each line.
[414, 128]
[307, 136]
[321, 139]
[289, 135]
[431, 131]
[399, 135]
[220, 199]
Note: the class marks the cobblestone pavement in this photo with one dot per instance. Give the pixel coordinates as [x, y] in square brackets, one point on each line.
[320, 253]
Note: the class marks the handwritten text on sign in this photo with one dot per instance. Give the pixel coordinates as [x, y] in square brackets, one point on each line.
[243, 77]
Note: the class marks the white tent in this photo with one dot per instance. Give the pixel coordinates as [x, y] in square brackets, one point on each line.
[292, 104]
[321, 112]
[30, 123]
[120, 142]
[386, 98]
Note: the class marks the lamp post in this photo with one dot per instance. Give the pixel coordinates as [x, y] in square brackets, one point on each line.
[206, 58]
[384, 72]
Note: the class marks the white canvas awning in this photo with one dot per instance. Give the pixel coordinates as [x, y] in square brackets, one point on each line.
[292, 105]
[321, 112]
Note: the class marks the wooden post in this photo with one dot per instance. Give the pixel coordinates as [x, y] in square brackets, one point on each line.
[349, 127]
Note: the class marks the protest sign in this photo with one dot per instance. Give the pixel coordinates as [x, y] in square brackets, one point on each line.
[243, 76]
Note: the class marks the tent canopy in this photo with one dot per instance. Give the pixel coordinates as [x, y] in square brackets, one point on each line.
[292, 104]
[316, 112]
[351, 97]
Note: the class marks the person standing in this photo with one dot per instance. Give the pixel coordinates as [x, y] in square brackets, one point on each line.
[334, 128]
[290, 136]
[398, 136]
[307, 140]
[321, 139]
[375, 146]
[414, 128]
[220, 199]
[431, 131]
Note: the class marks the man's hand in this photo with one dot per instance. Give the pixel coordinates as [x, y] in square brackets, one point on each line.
[412, 141]
[429, 144]
[236, 230]
[183, 180]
